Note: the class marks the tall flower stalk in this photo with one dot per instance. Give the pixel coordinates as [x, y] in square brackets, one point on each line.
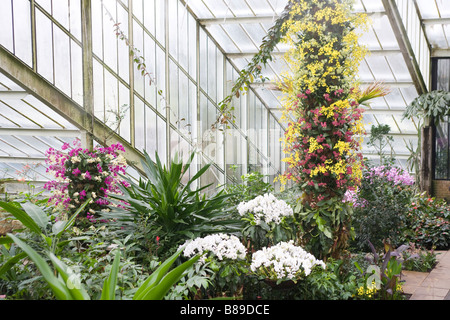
[322, 108]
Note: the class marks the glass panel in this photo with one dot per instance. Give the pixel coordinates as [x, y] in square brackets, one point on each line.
[160, 73]
[200, 9]
[77, 72]
[380, 68]
[109, 37]
[62, 60]
[149, 15]
[395, 99]
[162, 139]
[138, 38]
[149, 55]
[75, 18]
[111, 99]
[173, 28]
[99, 103]
[151, 143]
[6, 25]
[123, 50]
[44, 46]
[53, 119]
[124, 102]
[399, 68]
[192, 47]
[138, 10]
[139, 124]
[97, 28]
[183, 44]
[218, 33]
[160, 22]
[22, 31]
[61, 12]
[174, 93]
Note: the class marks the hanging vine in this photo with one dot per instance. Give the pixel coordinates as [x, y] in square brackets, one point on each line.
[253, 70]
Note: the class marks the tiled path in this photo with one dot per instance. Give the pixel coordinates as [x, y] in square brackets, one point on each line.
[434, 285]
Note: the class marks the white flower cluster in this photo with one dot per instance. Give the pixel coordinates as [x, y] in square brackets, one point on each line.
[223, 246]
[265, 208]
[285, 261]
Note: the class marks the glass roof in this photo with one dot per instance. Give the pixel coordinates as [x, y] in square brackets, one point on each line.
[28, 128]
[239, 27]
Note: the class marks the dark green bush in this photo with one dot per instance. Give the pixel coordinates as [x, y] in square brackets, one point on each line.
[428, 223]
[381, 208]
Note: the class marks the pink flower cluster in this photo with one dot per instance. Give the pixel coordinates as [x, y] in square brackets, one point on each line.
[81, 174]
[396, 175]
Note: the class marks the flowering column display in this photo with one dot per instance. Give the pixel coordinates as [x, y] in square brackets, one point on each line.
[323, 114]
[81, 174]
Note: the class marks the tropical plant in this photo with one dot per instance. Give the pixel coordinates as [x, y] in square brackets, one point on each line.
[170, 211]
[38, 222]
[379, 139]
[326, 229]
[383, 274]
[431, 105]
[66, 287]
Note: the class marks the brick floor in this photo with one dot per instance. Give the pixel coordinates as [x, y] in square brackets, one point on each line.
[434, 285]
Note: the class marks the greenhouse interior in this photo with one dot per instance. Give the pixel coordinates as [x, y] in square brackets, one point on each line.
[224, 149]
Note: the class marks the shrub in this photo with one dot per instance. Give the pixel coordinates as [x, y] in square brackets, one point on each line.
[166, 211]
[380, 206]
[427, 222]
[252, 185]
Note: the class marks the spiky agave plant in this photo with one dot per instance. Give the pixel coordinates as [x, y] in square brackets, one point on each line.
[172, 211]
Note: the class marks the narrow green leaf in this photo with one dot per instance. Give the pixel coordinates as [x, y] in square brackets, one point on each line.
[58, 287]
[22, 216]
[77, 293]
[159, 291]
[11, 262]
[109, 286]
[156, 276]
[71, 221]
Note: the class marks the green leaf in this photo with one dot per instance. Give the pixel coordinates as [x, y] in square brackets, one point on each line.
[11, 262]
[77, 293]
[22, 216]
[109, 286]
[159, 291]
[156, 276]
[60, 229]
[58, 287]
[37, 214]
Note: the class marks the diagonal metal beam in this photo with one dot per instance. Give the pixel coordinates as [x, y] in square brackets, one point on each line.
[405, 46]
[238, 20]
[36, 85]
